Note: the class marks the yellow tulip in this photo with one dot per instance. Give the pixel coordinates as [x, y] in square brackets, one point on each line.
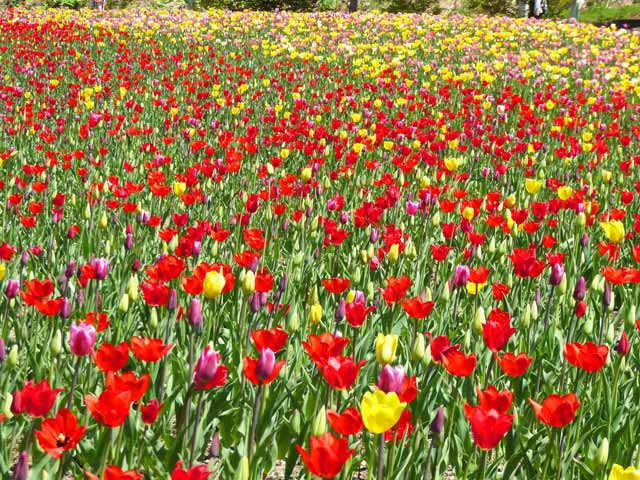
[452, 164]
[394, 252]
[381, 411]
[213, 284]
[386, 346]
[468, 213]
[614, 230]
[179, 188]
[306, 174]
[532, 185]
[315, 313]
[620, 473]
[474, 288]
[564, 193]
[3, 271]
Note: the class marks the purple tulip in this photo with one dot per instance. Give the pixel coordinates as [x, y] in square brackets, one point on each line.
[100, 268]
[3, 351]
[391, 378]
[340, 310]
[173, 300]
[207, 365]
[438, 422]
[622, 346]
[82, 338]
[21, 469]
[65, 310]
[581, 289]
[557, 272]
[12, 288]
[461, 276]
[266, 364]
[195, 313]
[128, 242]
[606, 296]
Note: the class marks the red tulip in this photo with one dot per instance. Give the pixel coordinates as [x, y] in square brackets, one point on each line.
[35, 400]
[274, 338]
[492, 399]
[336, 285]
[514, 365]
[402, 429]
[155, 294]
[525, 263]
[396, 289]
[497, 331]
[110, 408]
[324, 346]
[128, 381]
[487, 427]
[500, 291]
[416, 308]
[263, 281]
[439, 346]
[341, 372]
[110, 358]
[349, 422]
[327, 455]
[59, 434]
[356, 313]
[113, 472]
[149, 412]
[149, 349]
[458, 364]
[556, 411]
[587, 356]
[198, 472]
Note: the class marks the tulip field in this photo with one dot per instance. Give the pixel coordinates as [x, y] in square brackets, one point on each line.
[318, 245]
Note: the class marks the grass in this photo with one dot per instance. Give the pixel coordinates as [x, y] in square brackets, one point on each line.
[603, 14]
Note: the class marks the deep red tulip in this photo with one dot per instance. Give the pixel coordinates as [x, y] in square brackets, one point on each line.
[514, 365]
[327, 455]
[396, 289]
[587, 356]
[341, 372]
[556, 411]
[110, 358]
[500, 291]
[525, 263]
[439, 346]
[493, 399]
[349, 422]
[149, 349]
[356, 313]
[59, 434]
[149, 412]
[458, 364]
[400, 430]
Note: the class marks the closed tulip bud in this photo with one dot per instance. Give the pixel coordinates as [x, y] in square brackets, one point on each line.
[340, 310]
[478, 321]
[153, 318]
[123, 305]
[630, 318]
[13, 286]
[386, 346]
[266, 364]
[294, 322]
[12, 358]
[313, 296]
[6, 405]
[526, 317]
[607, 295]
[419, 347]
[195, 313]
[602, 455]
[588, 325]
[595, 283]
[254, 303]
[319, 425]
[446, 293]
[214, 448]
[82, 338]
[249, 283]
[55, 345]
[3, 351]
[557, 272]
[437, 425]
[370, 290]
[264, 299]
[373, 236]
[534, 311]
[284, 282]
[584, 241]
[562, 286]
[65, 309]
[611, 334]
[21, 468]
[315, 313]
[622, 346]
[580, 291]
[242, 472]
[172, 303]
[294, 423]
[128, 242]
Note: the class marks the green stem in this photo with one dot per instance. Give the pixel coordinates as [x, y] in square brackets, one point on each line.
[254, 421]
[483, 465]
[194, 438]
[380, 468]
